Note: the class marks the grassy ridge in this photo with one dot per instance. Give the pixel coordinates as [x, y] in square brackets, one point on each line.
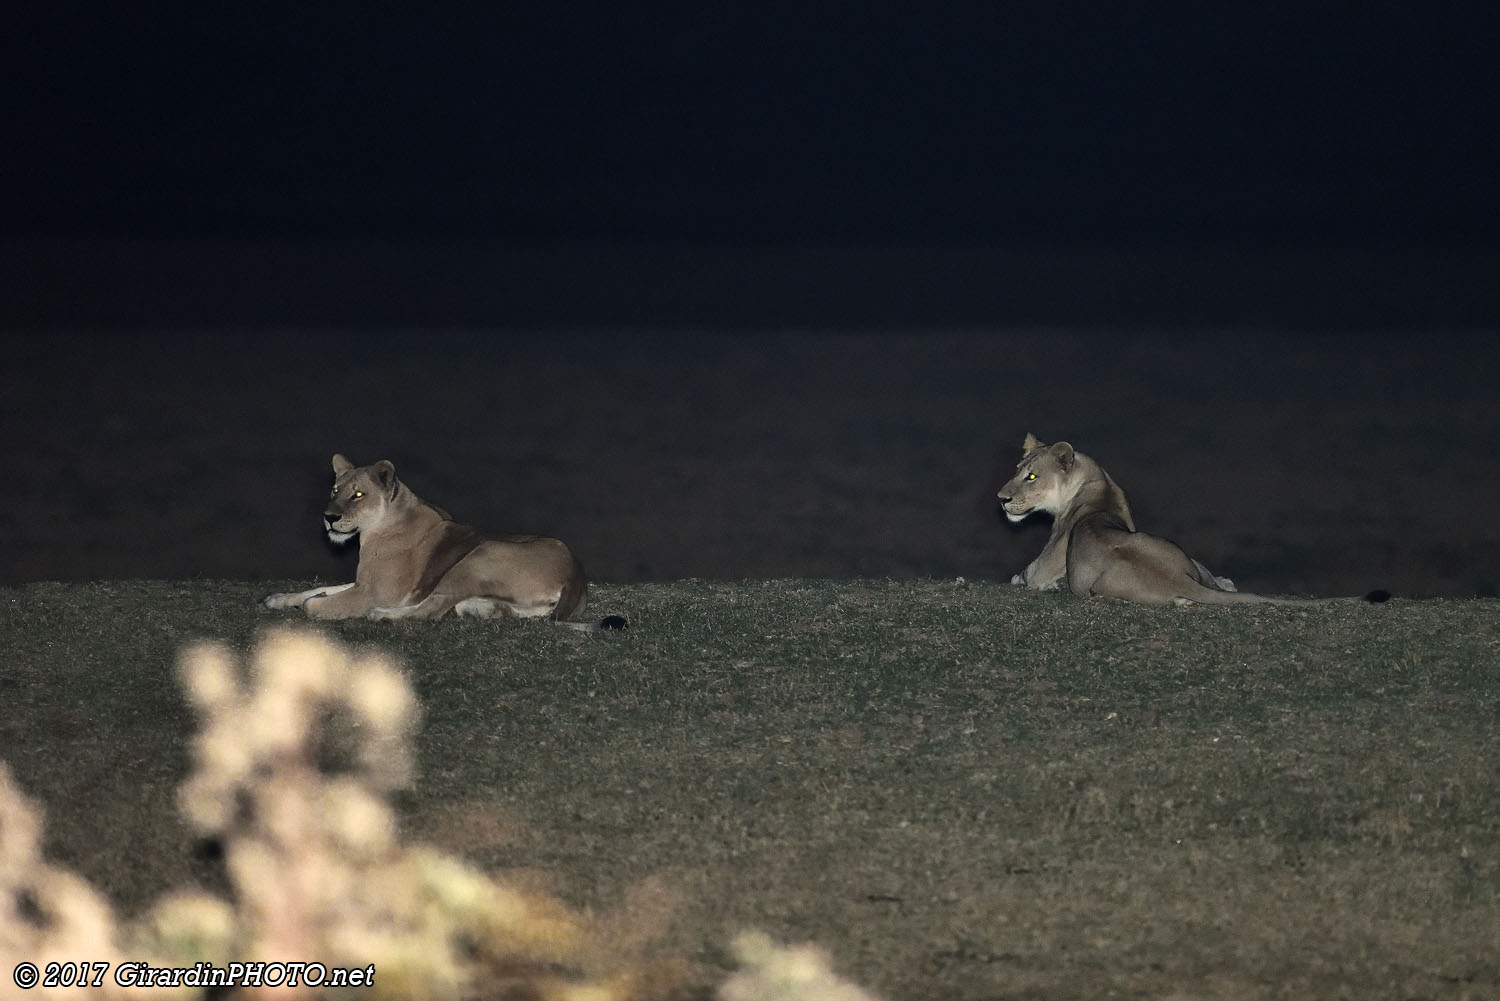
[962, 790]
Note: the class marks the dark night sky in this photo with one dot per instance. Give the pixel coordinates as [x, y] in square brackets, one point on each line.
[1248, 124]
[266, 199]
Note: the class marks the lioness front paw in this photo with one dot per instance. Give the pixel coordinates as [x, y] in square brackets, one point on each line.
[283, 600]
[1019, 580]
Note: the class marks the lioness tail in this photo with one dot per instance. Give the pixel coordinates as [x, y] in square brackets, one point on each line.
[1202, 595]
[609, 623]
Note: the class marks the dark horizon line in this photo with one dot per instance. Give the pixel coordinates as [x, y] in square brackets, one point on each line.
[62, 282]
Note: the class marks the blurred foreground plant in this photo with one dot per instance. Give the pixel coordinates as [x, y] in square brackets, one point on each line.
[292, 765]
[47, 915]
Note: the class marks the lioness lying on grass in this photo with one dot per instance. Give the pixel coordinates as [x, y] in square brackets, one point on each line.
[415, 562]
[1094, 544]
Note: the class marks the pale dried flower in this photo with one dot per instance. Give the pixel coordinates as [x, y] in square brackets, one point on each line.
[784, 973]
[205, 803]
[299, 663]
[208, 674]
[20, 830]
[189, 926]
[383, 698]
[356, 820]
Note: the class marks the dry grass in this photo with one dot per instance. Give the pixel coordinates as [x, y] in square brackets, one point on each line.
[958, 790]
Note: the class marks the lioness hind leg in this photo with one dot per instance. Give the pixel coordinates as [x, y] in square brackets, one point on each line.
[538, 607]
[1207, 578]
[434, 606]
[482, 608]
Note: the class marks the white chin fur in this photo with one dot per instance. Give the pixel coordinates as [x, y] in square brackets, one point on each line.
[1012, 516]
[339, 538]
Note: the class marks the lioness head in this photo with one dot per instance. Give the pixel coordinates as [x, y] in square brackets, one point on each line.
[361, 496]
[1040, 479]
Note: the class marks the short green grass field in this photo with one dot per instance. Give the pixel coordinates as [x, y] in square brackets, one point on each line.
[960, 790]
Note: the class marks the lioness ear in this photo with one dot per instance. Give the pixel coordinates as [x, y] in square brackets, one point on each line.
[341, 465]
[1030, 444]
[1064, 453]
[385, 475]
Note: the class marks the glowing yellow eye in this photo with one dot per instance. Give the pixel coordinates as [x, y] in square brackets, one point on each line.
[1030, 477]
[358, 494]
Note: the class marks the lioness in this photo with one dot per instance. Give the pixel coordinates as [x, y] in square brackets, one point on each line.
[1095, 546]
[415, 562]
